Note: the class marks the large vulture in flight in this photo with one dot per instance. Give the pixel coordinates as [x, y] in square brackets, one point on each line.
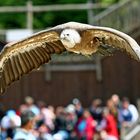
[21, 57]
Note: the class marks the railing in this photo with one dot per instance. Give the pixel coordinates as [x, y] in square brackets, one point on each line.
[124, 16]
[134, 134]
[29, 9]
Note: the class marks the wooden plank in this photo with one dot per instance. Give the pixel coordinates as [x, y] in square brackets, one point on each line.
[71, 67]
[49, 68]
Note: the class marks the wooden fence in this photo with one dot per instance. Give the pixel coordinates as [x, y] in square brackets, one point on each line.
[120, 76]
[30, 9]
[124, 16]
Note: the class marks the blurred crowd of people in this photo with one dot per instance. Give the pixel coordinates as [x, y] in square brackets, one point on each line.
[73, 122]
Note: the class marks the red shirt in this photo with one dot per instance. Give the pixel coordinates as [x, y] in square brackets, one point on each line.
[90, 128]
[111, 127]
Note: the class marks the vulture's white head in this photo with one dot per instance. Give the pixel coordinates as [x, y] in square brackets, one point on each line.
[70, 37]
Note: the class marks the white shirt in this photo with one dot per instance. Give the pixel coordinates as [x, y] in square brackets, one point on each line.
[23, 134]
[134, 111]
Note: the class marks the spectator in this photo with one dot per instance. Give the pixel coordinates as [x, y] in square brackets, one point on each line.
[80, 127]
[22, 108]
[60, 123]
[125, 113]
[9, 122]
[96, 110]
[89, 130]
[78, 107]
[117, 107]
[44, 132]
[116, 100]
[128, 115]
[29, 102]
[110, 131]
[134, 112]
[71, 121]
[27, 125]
[80, 124]
[47, 114]
[112, 108]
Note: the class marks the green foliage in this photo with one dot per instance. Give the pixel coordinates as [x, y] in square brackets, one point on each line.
[50, 19]
[109, 1]
[12, 20]
[43, 19]
[39, 2]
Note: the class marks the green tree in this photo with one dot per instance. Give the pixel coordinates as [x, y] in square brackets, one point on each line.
[43, 19]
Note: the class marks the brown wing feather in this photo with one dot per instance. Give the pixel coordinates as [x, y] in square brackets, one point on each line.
[22, 57]
[106, 36]
[114, 40]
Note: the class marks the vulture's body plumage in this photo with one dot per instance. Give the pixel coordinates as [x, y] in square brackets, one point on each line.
[21, 57]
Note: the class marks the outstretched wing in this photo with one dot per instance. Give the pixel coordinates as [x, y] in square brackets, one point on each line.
[110, 39]
[23, 56]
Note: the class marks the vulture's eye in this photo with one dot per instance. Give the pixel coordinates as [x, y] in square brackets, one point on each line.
[68, 34]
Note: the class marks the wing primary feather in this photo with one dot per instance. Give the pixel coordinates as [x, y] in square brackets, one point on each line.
[45, 48]
[26, 61]
[42, 53]
[118, 40]
[10, 70]
[60, 45]
[124, 46]
[47, 55]
[3, 81]
[22, 63]
[31, 60]
[6, 75]
[14, 67]
[1, 87]
[31, 64]
[50, 48]
[55, 46]
[19, 68]
[35, 57]
[40, 58]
